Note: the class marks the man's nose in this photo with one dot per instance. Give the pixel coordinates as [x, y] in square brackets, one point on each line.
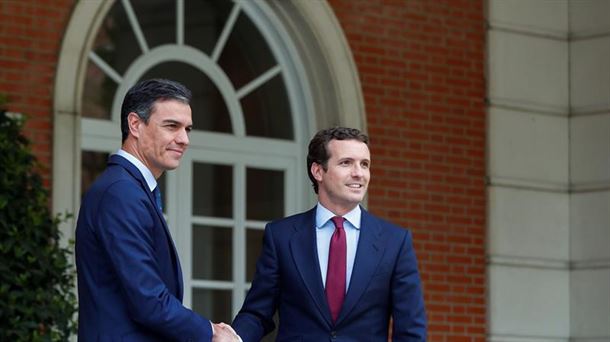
[183, 137]
[357, 171]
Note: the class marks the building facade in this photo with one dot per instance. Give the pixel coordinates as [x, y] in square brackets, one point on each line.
[489, 125]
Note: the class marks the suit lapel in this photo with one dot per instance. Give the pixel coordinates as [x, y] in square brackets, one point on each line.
[368, 255]
[305, 254]
[135, 173]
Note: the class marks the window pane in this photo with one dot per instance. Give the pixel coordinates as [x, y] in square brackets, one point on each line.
[267, 111]
[212, 190]
[213, 304]
[157, 19]
[204, 22]
[254, 246]
[265, 194]
[115, 42]
[92, 165]
[212, 253]
[209, 110]
[98, 93]
[246, 54]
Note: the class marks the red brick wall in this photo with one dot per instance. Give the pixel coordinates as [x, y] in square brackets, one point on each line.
[421, 66]
[30, 37]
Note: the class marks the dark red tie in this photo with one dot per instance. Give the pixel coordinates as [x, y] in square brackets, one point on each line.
[335, 275]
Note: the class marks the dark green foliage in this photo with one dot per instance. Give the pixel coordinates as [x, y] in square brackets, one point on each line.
[37, 301]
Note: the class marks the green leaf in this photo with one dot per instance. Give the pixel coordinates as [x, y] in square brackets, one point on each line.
[37, 300]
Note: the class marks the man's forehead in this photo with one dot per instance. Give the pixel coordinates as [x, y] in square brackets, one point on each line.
[345, 148]
[171, 110]
[163, 103]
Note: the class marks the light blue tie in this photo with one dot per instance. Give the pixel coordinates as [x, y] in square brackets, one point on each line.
[157, 194]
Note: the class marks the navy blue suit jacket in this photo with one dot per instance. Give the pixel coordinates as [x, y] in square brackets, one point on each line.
[129, 276]
[385, 283]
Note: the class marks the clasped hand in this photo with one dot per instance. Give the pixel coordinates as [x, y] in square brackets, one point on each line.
[224, 333]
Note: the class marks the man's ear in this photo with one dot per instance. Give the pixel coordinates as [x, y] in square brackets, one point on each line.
[134, 122]
[316, 170]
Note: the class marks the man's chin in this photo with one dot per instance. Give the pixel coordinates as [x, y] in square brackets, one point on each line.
[353, 201]
[172, 166]
[357, 195]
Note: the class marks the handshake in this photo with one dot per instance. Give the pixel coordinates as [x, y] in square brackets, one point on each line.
[224, 333]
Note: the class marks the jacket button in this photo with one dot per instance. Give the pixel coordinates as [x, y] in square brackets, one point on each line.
[333, 334]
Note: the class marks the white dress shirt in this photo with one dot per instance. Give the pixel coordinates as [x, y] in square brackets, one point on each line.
[148, 176]
[324, 231]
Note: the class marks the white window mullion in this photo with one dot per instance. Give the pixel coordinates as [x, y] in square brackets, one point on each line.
[172, 206]
[292, 201]
[239, 237]
[257, 82]
[212, 285]
[106, 68]
[180, 22]
[256, 224]
[135, 26]
[226, 31]
[213, 221]
[184, 224]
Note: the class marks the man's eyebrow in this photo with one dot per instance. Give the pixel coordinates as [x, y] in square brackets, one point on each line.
[175, 122]
[352, 158]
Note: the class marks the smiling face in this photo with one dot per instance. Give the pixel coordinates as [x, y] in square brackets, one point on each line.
[342, 186]
[160, 143]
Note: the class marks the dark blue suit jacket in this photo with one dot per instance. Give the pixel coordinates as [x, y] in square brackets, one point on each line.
[129, 276]
[385, 283]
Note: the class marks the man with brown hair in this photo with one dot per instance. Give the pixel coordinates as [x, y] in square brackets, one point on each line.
[335, 272]
[129, 275]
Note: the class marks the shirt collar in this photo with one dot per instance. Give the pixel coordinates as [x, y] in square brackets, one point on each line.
[148, 176]
[323, 215]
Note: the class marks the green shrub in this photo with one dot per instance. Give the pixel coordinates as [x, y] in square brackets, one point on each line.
[37, 301]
